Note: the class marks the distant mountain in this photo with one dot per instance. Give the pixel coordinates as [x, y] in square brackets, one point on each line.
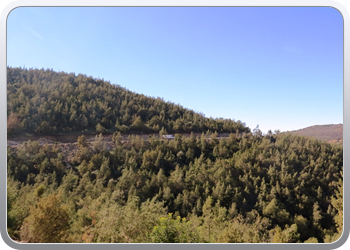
[330, 132]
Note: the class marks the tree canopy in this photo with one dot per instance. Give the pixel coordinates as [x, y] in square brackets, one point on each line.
[197, 187]
[49, 102]
[244, 188]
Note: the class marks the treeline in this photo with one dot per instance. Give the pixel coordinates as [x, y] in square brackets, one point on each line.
[48, 102]
[245, 188]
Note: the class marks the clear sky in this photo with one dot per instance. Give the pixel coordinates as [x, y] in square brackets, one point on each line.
[276, 67]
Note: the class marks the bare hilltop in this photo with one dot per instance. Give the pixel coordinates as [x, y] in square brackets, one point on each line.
[329, 132]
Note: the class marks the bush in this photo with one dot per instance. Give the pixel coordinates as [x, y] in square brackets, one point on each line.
[177, 230]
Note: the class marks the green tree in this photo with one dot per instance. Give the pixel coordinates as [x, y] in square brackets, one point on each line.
[170, 230]
[137, 124]
[288, 235]
[311, 240]
[48, 222]
[100, 128]
[13, 124]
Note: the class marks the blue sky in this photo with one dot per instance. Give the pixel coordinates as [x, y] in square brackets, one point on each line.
[279, 68]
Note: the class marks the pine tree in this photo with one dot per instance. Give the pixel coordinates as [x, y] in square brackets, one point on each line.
[48, 222]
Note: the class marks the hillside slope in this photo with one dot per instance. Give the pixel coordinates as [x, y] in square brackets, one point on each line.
[258, 187]
[330, 132]
[49, 102]
[124, 188]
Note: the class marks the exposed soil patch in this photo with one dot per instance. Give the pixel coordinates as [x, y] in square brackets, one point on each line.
[68, 143]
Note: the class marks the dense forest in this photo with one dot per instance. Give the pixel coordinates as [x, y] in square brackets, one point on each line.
[245, 188]
[47, 102]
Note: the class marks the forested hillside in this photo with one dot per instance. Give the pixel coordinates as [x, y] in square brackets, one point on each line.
[245, 188]
[47, 102]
